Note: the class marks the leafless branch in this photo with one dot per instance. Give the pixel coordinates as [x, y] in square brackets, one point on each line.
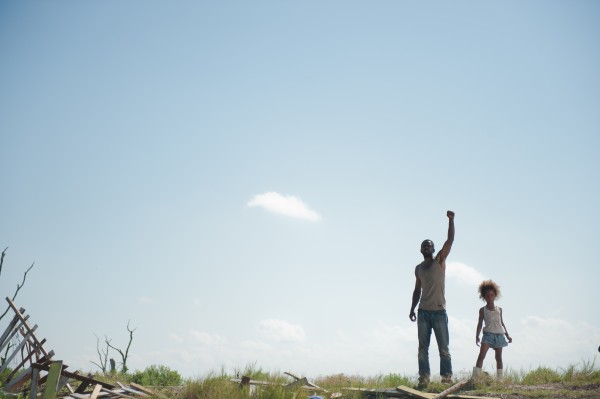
[102, 355]
[126, 353]
[19, 286]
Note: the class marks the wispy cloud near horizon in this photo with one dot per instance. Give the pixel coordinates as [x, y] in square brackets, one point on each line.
[286, 205]
[463, 273]
[280, 330]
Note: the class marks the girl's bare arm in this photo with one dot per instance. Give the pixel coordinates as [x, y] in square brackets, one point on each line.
[505, 330]
[479, 326]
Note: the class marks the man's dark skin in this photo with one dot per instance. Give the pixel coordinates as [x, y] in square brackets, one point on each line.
[427, 250]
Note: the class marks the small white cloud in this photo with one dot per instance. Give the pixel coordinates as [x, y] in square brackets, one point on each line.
[463, 273]
[286, 205]
[279, 330]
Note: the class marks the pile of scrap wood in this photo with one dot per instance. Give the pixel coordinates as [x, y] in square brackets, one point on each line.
[297, 384]
[400, 392]
[404, 392]
[37, 374]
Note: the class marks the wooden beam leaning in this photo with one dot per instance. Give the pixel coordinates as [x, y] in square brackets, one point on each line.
[96, 391]
[453, 388]
[25, 359]
[76, 376]
[11, 325]
[16, 383]
[17, 349]
[82, 387]
[11, 333]
[447, 393]
[34, 382]
[142, 388]
[19, 315]
[54, 372]
[414, 392]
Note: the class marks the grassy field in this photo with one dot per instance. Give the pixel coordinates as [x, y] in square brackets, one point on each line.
[577, 382]
[573, 382]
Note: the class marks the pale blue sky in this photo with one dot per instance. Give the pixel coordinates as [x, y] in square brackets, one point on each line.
[135, 134]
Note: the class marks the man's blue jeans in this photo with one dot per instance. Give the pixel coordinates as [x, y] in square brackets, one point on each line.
[436, 320]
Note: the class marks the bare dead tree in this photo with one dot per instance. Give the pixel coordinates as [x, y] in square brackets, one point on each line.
[125, 354]
[19, 286]
[102, 355]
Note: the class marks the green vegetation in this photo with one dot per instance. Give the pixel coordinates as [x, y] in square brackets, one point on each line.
[576, 381]
[157, 376]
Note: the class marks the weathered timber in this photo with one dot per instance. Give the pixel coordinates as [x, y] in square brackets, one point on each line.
[54, 372]
[142, 388]
[11, 325]
[96, 391]
[453, 388]
[12, 333]
[25, 325]
[16, 383]
[25, 360]
[76, 376]
[426, 395]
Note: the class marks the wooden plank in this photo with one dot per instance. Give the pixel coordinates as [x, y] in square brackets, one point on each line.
[82, 387]
[16, 383]
[246, 380]
[142, 388]
[76, 376]
[378, 392]
[96, 391]
[425, 395]
[52, 380]
[12, 333]
[11, 325]
[414, 392]
[17, 349]
[19, 315]
[119, 393]
[146, 390]
[70, 388]
[310, 384]
[130, 390]
[25, 359]
[34, 382]
[62, 381]
[453, 388]
[299, 383]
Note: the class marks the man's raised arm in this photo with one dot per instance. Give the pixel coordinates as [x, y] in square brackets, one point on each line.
[445, 251]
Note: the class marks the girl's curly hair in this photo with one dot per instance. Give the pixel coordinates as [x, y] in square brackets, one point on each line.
[488, 285]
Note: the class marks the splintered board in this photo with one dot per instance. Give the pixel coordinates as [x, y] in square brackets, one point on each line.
[426, 395]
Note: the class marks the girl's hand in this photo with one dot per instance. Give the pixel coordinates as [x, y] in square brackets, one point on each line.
[477, 341]
[509, 339]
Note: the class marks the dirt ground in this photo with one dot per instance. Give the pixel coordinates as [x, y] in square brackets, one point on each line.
[546, 391]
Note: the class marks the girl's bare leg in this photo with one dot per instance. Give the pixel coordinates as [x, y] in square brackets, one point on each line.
[482, 353]
[499, 364]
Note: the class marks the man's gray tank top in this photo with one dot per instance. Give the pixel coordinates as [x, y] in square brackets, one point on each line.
[433, 286]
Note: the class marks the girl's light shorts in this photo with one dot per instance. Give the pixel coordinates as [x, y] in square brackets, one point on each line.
[495, 341]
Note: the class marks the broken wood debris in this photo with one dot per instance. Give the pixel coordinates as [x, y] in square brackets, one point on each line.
[298, 383]
[447, 393]
[38, 375]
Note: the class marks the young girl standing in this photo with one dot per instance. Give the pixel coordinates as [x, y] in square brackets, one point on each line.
[494, 330]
